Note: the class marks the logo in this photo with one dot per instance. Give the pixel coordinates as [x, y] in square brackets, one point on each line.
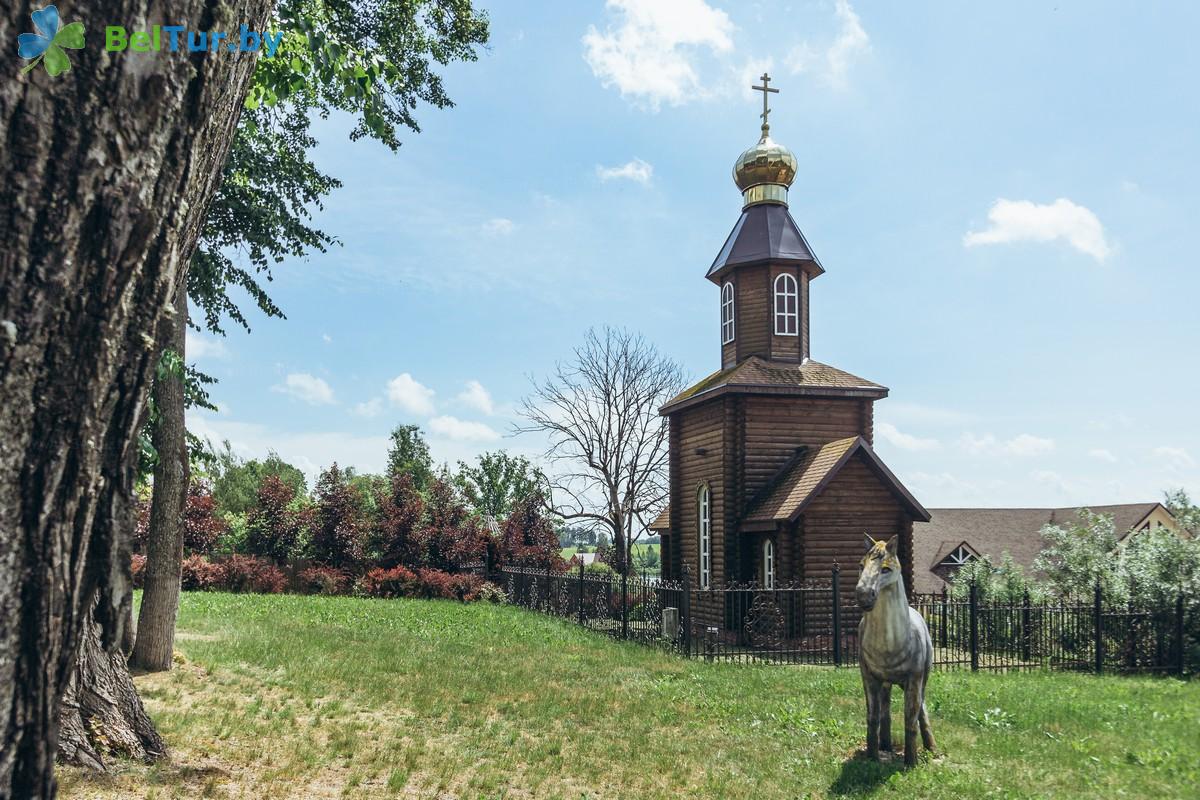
[47, 46]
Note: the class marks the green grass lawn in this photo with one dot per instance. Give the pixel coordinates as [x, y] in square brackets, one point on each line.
[295, 697]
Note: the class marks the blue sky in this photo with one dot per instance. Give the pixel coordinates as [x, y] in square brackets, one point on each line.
[1003, 196]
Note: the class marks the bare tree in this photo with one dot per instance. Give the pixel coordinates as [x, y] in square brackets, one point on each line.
[608, 443]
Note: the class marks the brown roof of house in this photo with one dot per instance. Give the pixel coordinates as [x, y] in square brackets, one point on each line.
[995, 531]
[663, 521]
[808, 473]
[756, 375]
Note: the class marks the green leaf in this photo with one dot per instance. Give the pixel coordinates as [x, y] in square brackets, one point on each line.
[56, 60]
[70, 36]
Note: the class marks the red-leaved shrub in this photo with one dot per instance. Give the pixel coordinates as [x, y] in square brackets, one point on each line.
[273, 526]
[138, 567]
[202, 527]
[394, 582]
[200, 574]
[337, 528]
[466, 587]
[322, 580]
[250, 574]
[435, 584]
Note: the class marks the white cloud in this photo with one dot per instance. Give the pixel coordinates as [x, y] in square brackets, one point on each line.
[476, 397]
[1022, 445]
[326, 338]
[1100, 454]
[648, 54]
[1053, 480]
[636, 170]
[1175, 457]
[905, 441]
[370, 408]
[199, 346]
[461, 430]
[407, 393]
[310, 451]
[308, 388]
[1026, 221]
[499, 226]
[833, 63]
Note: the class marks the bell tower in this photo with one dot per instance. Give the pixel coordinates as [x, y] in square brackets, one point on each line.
[766, 264]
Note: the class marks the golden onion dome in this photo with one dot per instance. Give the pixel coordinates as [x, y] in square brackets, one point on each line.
[765, 171]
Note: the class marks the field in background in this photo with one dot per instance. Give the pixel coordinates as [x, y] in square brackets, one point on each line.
[639, 550]
[305, 697]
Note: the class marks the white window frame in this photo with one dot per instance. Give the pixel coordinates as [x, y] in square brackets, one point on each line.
[787, 291]
[959, 556]
[704, 523]
[768, 564]
[727, 321]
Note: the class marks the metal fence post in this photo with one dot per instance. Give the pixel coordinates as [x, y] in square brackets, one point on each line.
[581, 620]
[837, 616]
[1099, 625]
[945, 632]
[1025, 632]
[1179, 642]
[974, 626]
[686, 611]
[625, 602]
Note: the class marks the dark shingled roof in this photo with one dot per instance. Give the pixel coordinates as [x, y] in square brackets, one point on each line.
[755, 375]
[764, 233]
[995, 531]
[663, 521]
[810, 471]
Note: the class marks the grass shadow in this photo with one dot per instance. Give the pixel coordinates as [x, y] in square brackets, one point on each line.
[861, 775]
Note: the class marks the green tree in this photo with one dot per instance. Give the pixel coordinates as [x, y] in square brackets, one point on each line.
[1005, 582]
[1157, 565]
[409, 455]
[236, 482]
[1078, 554]
[498, 482]
[1180, 505]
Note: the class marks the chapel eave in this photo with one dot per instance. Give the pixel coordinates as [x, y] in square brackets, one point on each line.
[755, 375]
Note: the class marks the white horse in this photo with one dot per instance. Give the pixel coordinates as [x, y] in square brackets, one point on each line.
[894, 648]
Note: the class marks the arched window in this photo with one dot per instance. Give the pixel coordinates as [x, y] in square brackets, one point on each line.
[727, 313]
[768, 564]
[704, 521]
[786, 305]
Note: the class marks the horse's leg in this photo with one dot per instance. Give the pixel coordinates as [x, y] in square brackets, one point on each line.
[923, 718]
[885, 717]
[912, 709]
[871, 689]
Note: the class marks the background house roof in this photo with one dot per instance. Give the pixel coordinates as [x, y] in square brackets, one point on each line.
[995, 531]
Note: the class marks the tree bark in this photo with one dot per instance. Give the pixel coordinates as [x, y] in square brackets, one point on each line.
[101, 712]
[107, 172]
[155, 643]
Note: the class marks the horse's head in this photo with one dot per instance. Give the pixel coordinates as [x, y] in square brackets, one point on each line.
[880, 569]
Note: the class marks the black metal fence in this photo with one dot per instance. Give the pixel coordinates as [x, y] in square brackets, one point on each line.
[1095, 636]
[812, 623]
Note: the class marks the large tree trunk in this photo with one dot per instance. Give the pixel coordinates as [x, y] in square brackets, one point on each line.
[155, 643]
[106, 173]
[101, 711]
